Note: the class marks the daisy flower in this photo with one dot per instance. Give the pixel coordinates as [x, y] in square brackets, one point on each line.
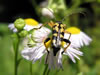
[30, 24]
[78, 38]
[38, 50]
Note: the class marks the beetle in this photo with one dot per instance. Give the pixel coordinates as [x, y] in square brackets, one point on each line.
[57, 39]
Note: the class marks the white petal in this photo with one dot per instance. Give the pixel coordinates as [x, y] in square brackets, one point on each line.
[28, 27]
[11, 26]
[26, 53]
[15, 30]
[34, 53]
[86, 38]
[38, 54]
[72, 52]
[71, 57]
[75, 55]
[75, 51]
[80, 41]
[41, 34]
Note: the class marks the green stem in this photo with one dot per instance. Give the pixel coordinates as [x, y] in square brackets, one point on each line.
[16, 58]
[46, 67]
[16, 46]
[48, 72]
[30, 68]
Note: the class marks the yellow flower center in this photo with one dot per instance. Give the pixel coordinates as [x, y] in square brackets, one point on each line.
[31, 22]
[73, 30]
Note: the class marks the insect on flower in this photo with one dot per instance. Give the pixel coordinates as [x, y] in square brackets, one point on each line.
[62, 41]
[57, 40]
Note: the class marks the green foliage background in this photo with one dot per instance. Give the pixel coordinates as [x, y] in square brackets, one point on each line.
[89, 64]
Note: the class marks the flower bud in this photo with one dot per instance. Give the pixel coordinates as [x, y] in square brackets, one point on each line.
[23, 33]
[47, 13]
[19, 23]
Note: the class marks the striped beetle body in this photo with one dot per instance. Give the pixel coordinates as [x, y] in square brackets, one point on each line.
[57, 36]
[57, 40]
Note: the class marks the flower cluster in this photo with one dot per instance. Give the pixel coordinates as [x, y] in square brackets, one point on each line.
[35, 49]
[38, 50]
[23, 26]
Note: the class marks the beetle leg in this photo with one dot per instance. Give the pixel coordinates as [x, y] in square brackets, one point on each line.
[69, 34]
[47, 42]
[41, 26]
[66, 41]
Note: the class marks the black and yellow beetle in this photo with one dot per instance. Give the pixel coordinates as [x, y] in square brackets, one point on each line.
[57, 38]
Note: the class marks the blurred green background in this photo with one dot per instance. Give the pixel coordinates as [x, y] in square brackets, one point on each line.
[89, 64]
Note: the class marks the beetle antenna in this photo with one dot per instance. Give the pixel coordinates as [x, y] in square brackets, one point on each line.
[72, 14]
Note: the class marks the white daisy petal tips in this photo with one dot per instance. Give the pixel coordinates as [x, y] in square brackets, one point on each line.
[73, 53]
[47, 12]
